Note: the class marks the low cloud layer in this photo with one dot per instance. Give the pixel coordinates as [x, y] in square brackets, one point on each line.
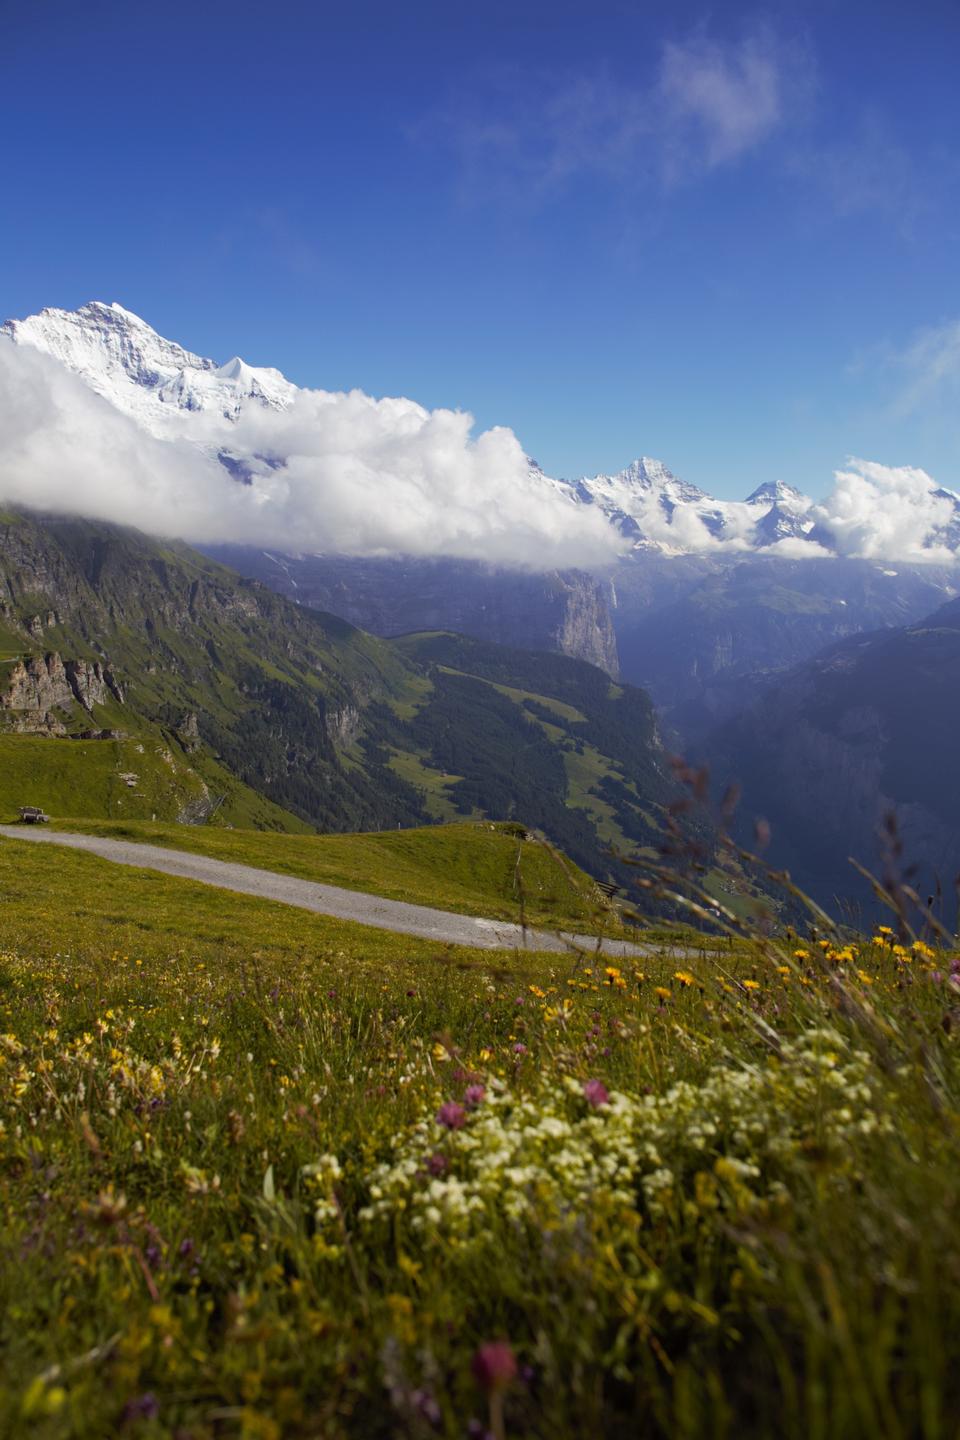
[348, 474]
[893, 512]
[361, 476]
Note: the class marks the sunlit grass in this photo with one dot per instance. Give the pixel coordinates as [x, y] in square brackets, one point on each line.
[476, 869]
[266, 1174]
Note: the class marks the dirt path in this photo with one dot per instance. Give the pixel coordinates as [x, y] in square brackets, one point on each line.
[396, 915]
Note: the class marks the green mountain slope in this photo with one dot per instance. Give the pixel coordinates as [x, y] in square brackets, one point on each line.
[543, 738]
[173, 650]
[141, 681]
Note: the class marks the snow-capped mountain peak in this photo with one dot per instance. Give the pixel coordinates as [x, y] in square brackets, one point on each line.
[177, 395]
[152, 379]
[777, 492]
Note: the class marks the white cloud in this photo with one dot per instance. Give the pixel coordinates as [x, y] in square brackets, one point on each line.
[891, 512]
[792, 547]
[362, 476]
[931, 363]
[731, 95]
[701, 104]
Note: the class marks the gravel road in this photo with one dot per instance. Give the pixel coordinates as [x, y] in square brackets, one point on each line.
[440, 925]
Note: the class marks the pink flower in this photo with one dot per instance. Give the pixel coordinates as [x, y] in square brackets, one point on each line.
[596, 1093]
[494, 1365]
[451, 1115]
[437, 1165]
[474, 1095]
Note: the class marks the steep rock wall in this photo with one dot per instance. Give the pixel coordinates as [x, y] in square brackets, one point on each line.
[566, 611]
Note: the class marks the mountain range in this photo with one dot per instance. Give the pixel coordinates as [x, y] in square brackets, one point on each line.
[380, 687]
[171, 392]
[698, 600]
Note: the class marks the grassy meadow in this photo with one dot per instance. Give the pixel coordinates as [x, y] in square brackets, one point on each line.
[475, 869]
[268, 1175]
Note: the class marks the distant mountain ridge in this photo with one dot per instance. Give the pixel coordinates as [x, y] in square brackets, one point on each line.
[563, 610]
[865, 729]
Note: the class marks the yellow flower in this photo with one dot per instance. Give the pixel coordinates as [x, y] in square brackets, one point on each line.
[751, 984]
[684, 977]
[559, 1012]
[663, 992]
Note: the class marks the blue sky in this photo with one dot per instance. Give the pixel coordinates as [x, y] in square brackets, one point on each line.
[725, 237]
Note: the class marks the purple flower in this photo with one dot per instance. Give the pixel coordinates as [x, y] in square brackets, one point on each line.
[144, 1407]
[437, 1165]
[474, 1095]
[494, 1365]
[596, 1093]
[451, 1115]
[519, 1048]
[424, 1403]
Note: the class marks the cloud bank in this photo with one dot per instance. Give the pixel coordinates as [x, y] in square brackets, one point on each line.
[348, 474]
[890, 512]
[360, 476]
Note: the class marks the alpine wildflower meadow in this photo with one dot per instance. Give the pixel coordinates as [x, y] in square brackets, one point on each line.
[327, 1194]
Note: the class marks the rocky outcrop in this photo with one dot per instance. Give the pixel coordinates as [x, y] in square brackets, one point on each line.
[344, 724]
[567, 611]
[38, 686]
[37, 683]
[188, 733]
[91, 683]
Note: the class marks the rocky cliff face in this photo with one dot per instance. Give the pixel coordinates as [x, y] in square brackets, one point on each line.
[36, 687]
[566, 611]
